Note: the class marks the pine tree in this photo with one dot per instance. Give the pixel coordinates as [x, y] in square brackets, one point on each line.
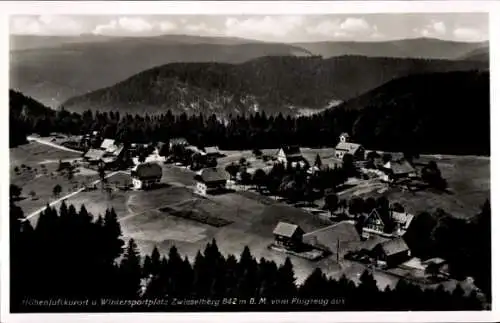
[285, 284]
[130, 272]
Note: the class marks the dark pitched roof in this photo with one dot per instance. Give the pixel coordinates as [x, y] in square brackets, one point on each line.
[350, 147]
[287, 229]
[147, 170]
[211, 175]
[94, 154]
[399, 167]
[394, 246]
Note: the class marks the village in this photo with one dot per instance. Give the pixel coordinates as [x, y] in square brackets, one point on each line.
[308, 214]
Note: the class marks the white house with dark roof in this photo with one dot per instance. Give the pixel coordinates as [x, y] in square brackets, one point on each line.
[146, 175]
[211, 180]
[345, 146]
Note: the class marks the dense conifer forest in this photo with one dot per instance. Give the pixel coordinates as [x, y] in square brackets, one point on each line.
[84, 264]
[437, 113]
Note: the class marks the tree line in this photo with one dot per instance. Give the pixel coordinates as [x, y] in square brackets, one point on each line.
[376, 124]
[70, 254]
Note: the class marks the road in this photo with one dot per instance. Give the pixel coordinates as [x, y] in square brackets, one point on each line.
[48, 143]
[59, 200]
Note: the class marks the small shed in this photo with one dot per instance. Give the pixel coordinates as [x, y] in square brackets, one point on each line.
[288, 235]
[393, 252]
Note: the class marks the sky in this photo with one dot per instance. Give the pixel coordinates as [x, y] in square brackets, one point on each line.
[274, 28]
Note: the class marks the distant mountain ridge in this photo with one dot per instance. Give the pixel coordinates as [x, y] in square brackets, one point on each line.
[429, 48]
[53, 69]
[271, 84]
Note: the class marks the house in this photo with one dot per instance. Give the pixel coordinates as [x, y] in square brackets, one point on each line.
[146, 175]
[211, 152]
[373, 223]
[289, 154]
[107, 144]
[178, 142]
[402, 220]
[345, 146]
[93, 156]
[392, 252]
[394, 170]
[211, 180]
[288, 235]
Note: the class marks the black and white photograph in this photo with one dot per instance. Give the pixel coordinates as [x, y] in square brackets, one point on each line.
[242, 162]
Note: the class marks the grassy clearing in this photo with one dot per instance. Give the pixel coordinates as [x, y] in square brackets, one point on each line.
[35, 153]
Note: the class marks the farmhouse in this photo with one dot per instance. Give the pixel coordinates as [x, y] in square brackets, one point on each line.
[345, 146]
[392, 252]
[288, 235]
[146, 175]
[211, 180]
[394, 170]
[373, 224]
[289, 154]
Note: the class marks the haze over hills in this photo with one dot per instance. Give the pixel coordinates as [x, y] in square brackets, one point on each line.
[53, 69]
[271, 84]
[479, 54]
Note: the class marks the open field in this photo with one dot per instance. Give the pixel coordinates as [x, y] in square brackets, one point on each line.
[468, 180]
[35, 153]
[252, 216]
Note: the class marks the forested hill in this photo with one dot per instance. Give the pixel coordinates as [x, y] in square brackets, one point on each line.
[439, 112]
[272, 84]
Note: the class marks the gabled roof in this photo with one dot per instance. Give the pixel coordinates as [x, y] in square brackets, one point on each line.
[212, 175]
[349, 147]
[394, 246]
[94, 154]
[402, 218]
[147, 170]
[399, 167]
[287, 229]
[374, 214]
[107, 143]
